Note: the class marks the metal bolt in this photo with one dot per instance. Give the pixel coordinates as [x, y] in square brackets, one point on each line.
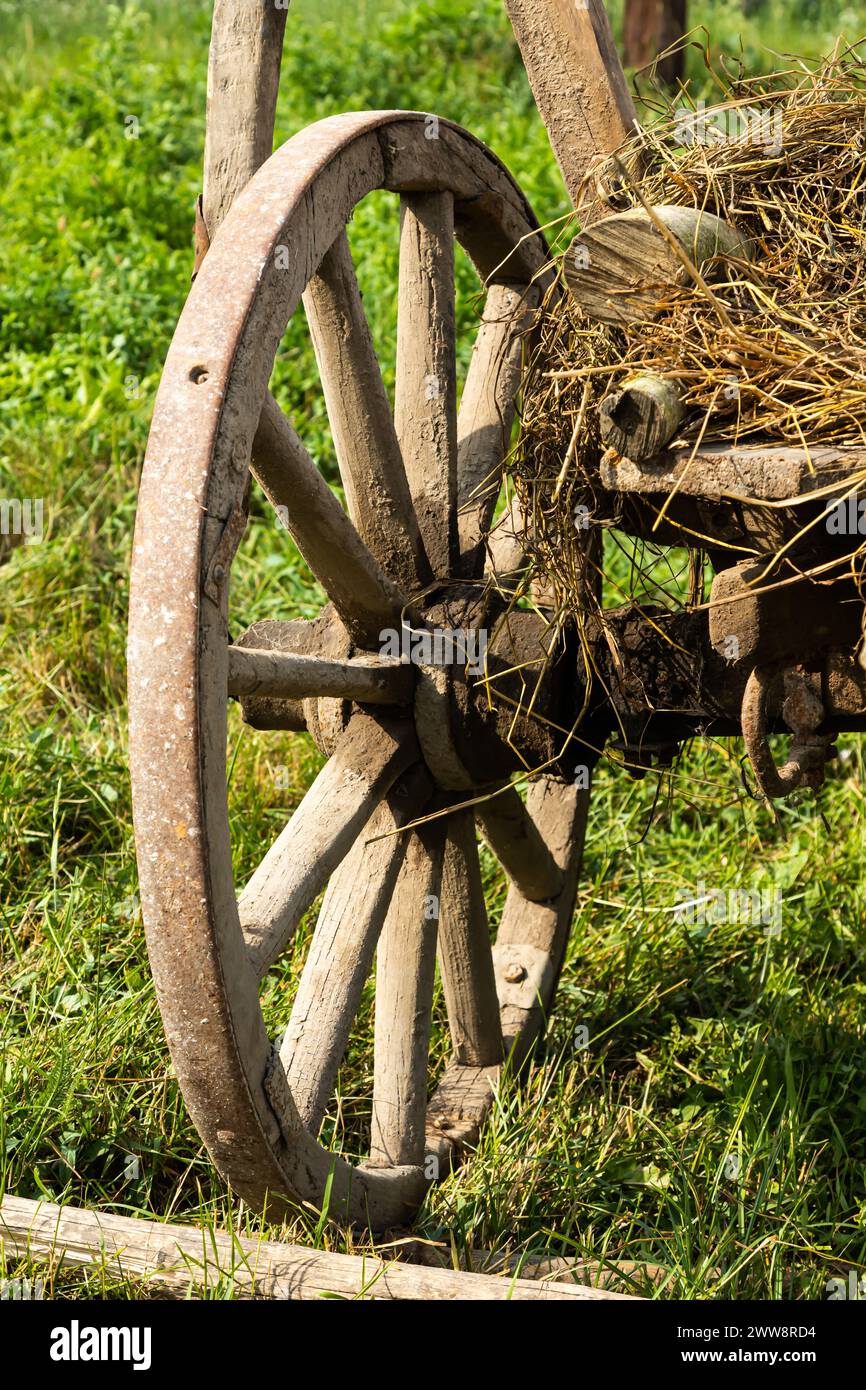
[515, 972]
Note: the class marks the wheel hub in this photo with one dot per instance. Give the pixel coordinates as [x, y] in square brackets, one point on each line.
[486, 700]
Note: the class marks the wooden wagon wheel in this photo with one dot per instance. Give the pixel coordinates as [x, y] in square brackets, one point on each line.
[417, 517]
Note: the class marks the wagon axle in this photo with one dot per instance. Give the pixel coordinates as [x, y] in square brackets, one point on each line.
[487, 690]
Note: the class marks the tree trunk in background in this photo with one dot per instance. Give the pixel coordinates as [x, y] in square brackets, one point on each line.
[649, 27]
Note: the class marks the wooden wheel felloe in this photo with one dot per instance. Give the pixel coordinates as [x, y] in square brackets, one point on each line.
[418, 511]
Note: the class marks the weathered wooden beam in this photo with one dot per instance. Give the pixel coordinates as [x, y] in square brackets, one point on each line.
[621, 267]
[771, 473]
[183, 1259]
[603, 1273]
[243, 80]
[642, 415]
[577, 80]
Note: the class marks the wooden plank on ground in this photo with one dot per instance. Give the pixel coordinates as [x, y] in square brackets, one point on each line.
[181, 1259]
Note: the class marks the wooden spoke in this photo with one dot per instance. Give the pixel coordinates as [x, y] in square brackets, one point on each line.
[405, 975]
[368, 453]
[368, 759]
[532, 937]
[486, 415]
[457, 1110]
[425, 410]
[295, 636]
[365, 598]
[292, 676]
[528, 955]
[517, 843]
[341, 951]
[465, 958]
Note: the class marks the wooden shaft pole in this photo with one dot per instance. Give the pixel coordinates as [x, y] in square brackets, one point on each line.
[246, 50]
[577, 81]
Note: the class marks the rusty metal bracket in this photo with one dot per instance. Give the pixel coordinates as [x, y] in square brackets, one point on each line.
[803, 712]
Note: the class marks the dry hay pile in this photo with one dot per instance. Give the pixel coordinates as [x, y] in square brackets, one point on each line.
[778, 353]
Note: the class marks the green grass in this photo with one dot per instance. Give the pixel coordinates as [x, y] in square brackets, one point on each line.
[715, 1125]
